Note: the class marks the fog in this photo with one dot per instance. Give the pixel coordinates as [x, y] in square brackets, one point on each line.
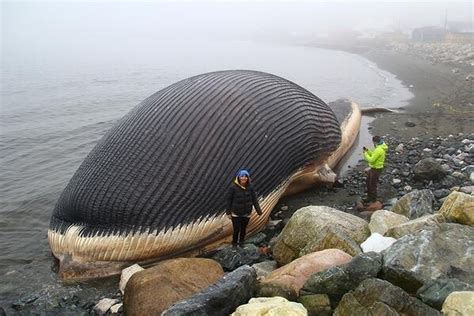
[32, 30]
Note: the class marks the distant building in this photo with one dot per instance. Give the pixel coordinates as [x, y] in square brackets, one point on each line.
[456, 32]
[428, 34]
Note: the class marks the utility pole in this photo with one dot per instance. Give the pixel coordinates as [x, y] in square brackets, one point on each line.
[446, 20]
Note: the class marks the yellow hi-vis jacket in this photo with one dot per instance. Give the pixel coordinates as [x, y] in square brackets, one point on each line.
[376, 156]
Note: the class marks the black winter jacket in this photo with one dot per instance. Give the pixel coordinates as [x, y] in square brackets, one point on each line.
[240, 201]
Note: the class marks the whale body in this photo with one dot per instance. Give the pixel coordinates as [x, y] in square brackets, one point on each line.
[155, 185]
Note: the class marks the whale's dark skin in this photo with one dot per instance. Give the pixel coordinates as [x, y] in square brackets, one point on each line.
[154, 186]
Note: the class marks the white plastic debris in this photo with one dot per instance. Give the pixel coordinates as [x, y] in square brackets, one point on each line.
[377, 243]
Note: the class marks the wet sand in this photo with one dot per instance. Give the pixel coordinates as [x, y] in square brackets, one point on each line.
[443, 101]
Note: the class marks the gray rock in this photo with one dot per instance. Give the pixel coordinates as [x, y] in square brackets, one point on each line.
[446, 168]
[468, 169]
[434, 292]
[441, 193]
[428, 169]
[316, 305]
[231, 258]
[412, 153]
[451, 150]
[442, 251]
[221, 298]
[467, 189]
[413, 226]
[339, 280]
[25, 300]
[264, 268]
[458, 162]
[379, 297]
[390, 203]
[415, 204]
[256, 239]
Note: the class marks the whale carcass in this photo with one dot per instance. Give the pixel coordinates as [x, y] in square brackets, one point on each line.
[154, 186]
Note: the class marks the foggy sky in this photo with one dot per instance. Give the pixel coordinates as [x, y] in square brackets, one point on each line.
[85, 27]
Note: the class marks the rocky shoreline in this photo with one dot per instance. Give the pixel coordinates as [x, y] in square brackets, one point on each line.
[450, 164]
[449, 53]
[420, 178]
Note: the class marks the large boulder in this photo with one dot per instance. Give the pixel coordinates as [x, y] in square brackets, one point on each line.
[337, 281]
[428, 169]
[415, 204]
[170, 281]
[437, 252]
[287, 281]
[379, 297]
[459, 207]
[264, 306]
[316, 304]
[264, 268]
[230, 258]
[415, 225]
[459, 304]
[221, 298]
[435, 292]
[314, 228]
[383, 220]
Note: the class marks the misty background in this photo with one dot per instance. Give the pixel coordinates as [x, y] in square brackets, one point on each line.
[86, 31]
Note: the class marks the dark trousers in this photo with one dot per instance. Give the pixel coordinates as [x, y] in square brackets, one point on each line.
[240, 225]
[372, 183]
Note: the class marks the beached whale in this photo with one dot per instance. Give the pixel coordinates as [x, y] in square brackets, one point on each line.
[154, 186]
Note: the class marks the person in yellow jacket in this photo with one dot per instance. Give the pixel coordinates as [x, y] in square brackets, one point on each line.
[376, 159]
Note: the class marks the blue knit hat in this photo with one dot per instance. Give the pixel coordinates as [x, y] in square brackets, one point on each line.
[243, 172]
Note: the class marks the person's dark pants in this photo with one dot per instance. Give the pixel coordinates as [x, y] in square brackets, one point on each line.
[240, 226]
[372, 183]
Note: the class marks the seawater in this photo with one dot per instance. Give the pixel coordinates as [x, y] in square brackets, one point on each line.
[54, 110]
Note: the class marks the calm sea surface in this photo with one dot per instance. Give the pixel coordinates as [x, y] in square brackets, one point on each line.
[53, 111]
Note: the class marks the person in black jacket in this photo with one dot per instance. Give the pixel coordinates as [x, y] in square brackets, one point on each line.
[241, 199]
